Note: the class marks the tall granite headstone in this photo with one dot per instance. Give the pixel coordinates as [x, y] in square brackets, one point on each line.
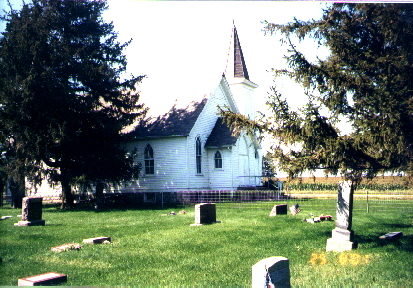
[31, 212]
[342, 238]
[271, 272]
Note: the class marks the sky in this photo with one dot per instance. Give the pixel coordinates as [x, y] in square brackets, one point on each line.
[182, 46]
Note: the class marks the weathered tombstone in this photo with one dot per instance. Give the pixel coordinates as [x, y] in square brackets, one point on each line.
[279, 210]
[271, 272]
[342, 238]
[31, 212]
[205, 213]
[97, 240]
[295, 209]
[46, 279]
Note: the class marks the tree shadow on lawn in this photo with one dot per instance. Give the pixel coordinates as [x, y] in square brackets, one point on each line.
[404, 243]
[90, 208]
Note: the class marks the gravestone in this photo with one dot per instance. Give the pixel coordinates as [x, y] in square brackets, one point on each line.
[66, 247]
[279, 210]
[31, 212]
[97, 240]
[205, 213]
[342, 238]
[46, 279]
[295, 209]
[392, 235]
[271, 272]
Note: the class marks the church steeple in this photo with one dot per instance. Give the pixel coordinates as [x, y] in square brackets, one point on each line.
[240, 69]
[242, 87]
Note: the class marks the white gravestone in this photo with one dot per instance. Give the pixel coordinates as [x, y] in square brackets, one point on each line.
[271, 272]
[342, 237]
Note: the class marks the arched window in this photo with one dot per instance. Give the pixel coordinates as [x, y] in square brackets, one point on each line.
[198, 152]
[149, 161]
[218, 160]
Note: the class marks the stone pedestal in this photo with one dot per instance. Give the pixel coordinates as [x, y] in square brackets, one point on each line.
[271, 272]
[342, 237]
[31, 212]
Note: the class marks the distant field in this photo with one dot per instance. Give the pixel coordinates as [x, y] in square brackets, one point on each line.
[383, 184]
[334, 180]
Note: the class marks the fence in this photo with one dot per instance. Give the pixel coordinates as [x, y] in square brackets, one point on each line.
[323, 202]
[317, 201]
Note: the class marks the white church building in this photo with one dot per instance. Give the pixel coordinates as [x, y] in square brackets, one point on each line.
[192, 149]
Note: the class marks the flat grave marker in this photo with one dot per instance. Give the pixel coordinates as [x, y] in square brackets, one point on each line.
[66, 247]
[392, 235]
[97, 240]
[279, 210]
[46, 279]
[271, 272]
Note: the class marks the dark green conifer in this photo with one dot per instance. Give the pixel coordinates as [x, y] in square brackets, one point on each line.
[366, 79]
[63, 94]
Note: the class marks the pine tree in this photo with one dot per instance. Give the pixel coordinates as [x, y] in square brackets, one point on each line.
[63, 94]
[366, 79]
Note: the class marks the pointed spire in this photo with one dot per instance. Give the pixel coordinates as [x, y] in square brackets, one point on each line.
[240, 69]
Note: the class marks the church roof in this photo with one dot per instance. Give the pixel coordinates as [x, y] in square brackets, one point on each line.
[240, 68]
[177, 122]
[221, 136]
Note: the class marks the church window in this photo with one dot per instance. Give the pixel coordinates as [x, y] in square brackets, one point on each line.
[149, 160]
[198, 153]
[218, 160]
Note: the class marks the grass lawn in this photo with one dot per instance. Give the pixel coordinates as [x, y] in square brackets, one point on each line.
[150, 249]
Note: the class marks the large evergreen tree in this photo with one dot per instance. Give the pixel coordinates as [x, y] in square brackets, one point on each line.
[366, 79]
[63, 94]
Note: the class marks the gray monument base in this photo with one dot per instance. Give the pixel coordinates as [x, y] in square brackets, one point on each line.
[31, 223]
[338, 245]
[342, 234]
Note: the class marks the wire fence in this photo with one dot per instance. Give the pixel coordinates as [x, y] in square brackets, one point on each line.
[320, 201]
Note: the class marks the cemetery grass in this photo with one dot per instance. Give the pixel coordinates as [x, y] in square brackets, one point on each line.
[151, 249]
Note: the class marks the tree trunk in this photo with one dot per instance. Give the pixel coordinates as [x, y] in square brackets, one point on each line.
[67, 196]
[99, 196]
[18, 191]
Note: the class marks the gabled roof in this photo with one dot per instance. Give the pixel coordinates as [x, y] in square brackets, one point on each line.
[240, 68]
[177, 122]
[221, 136]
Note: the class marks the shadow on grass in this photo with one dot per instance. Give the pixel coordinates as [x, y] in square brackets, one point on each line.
[404, 243]
[90, 208]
